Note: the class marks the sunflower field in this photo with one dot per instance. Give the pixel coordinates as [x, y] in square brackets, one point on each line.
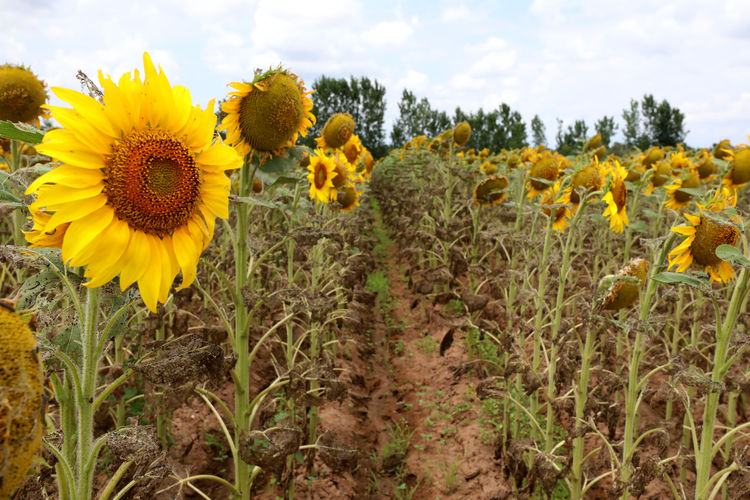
[193, 308]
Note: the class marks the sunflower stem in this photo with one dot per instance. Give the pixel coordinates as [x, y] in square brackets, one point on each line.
[631, 396]
[552, 368]
[85, 462]
[705, 453]
[242, 470]
[18, 217]
[580, 405]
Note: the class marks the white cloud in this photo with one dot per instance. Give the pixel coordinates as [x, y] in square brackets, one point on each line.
[388, 33]
[455, 14]
[414, 81]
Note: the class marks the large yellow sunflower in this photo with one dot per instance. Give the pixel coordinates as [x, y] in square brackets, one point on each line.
[141, 182]
[616, 199]
[704, 235]
[322, 171]
[268, 114]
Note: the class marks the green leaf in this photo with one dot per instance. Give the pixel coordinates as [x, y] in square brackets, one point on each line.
[20, 132]
[733, 255]
[692, 191]
[669, 278]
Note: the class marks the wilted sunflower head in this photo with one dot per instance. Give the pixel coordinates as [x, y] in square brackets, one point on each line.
[491, 191]
[593, 143]
[739, 171]
[462, 133]
[267, 114]
[514, 161]
[599, 152]
[366, 161]
[654, 155]
[545, 168]
[662, 173]
[624, 288]
[677, 197]
[588, 179]
[704, 235]
[488, 168]
[21, 95]
[346, 199]
[723, 149]
[706, 168]
[337, 131]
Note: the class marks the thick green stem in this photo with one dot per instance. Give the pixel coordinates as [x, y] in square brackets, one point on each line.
[18, 213]
[85, 400]
[552, 368]
[242, 337]
[631, 395]
[581, 392]
[720, 366]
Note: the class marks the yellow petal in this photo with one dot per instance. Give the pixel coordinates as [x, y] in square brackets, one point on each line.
[89, 108]
[150, 281]
[82, 232]
[138, 256]
[187, 251]
[116, 237]
[67, 175]
[72, 211]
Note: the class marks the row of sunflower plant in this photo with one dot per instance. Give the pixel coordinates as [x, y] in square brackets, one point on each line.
[130, 185]
[575, 361]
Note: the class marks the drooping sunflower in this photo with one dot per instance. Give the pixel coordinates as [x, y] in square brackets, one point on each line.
[677, 198]
[624, 288]
[336, 132]
[267, 115]
[705, 168]
[616, 198]
[545, 169]
[22, 95]
[488, 168]
[491, 191]
[322, 171]
[562, 212]
[141, 182]
[723, 150]
[462, 133]
[585, 180]
[654, 155]
[593, 143]
[347, 198]
[704, 235]
[662, 174]
[739, 170]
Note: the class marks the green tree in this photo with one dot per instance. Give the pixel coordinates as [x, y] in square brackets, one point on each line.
[537, 131]
[651, 123]
[607, 127]
[497, 130]
[571, 140]
[632, 128]
[417, 118]
[362, 98]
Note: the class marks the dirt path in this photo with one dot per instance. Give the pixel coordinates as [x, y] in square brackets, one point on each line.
[412, 414]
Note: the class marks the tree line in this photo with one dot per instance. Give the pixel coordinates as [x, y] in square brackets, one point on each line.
[646, 122]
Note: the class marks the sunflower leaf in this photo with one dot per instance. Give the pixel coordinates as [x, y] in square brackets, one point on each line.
[733, 255]
[670, 278]
[20, 132]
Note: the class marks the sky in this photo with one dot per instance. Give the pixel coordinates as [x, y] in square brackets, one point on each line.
[559, 59]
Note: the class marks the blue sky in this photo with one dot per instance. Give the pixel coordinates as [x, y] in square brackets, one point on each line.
[576, 59]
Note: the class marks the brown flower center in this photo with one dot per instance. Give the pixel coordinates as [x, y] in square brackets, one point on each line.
[321, 175]
[152, 182]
